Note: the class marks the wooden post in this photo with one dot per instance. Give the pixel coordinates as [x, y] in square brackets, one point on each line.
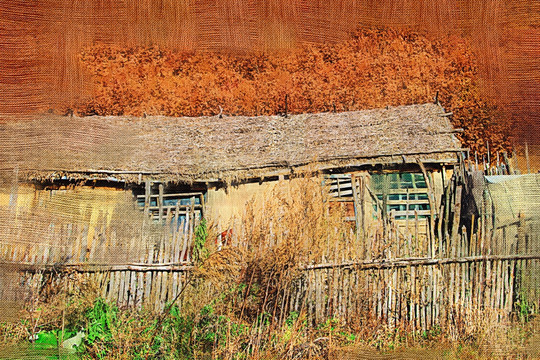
[431, 198]
[357, 184]
[457, 214]
[472, 243]
[147, 194]
[407, 213]
[160, 203]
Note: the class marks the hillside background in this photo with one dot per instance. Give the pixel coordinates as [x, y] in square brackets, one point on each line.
[40, 41]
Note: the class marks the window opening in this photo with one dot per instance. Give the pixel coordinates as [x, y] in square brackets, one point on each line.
[402, 194]
[178, 202]
[340, 186]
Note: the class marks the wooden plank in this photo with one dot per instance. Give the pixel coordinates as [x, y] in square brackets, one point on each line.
[402, 262]
[132, 290]
[404, 191]
[505, 289]
[360, 265]
[172, 195]
[410, 213]
[182, 207]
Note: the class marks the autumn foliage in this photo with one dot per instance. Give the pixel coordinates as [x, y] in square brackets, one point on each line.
[373, 69]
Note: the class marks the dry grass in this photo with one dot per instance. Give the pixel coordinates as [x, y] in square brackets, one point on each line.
[232, 309]
[289, 227]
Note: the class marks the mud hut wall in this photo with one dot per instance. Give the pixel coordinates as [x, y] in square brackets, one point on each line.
[510, 216]
[32, 215]
[96, 232]
[225, 206]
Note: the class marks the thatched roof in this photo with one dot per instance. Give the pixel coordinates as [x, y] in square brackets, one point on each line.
[214, 149]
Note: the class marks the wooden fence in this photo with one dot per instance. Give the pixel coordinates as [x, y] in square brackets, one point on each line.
[442, 278]
[418, 292]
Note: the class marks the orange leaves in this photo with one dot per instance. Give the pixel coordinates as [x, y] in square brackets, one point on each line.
[375, 68]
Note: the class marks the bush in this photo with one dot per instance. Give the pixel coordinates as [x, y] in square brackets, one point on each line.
[374, 69]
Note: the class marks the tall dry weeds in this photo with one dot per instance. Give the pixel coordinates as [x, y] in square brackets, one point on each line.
[291, 226]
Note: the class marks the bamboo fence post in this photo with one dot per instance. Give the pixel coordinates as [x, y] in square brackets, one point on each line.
[423, 310]
[510, 302]
[357, 208]
[332, 303]
[184, 255]
[416, 239]
[387, 291]
[506, 283]
[148, 280]
[395, 304]
[477, 285]
[320, 289]
[447, 209]
[413, 299]
[457, 214]
[134, 254]
[473, 239]
[436, 294]
[191, 226]
[119, 294]
[175, 250]
[430, 296]
[493, 290]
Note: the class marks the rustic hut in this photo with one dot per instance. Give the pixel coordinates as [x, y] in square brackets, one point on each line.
[220, 161]
[72, 189]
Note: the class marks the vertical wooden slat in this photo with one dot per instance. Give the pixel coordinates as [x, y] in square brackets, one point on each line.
[139, 295]
[183, 255]
[120, 295]
[510, 299]
[505, 290]
[412, 304]
[423, 312]
[489, 281]
[147, 194]
[148, 275]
